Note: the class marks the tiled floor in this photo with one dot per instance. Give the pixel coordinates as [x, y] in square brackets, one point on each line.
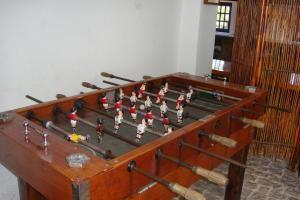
[265, 179]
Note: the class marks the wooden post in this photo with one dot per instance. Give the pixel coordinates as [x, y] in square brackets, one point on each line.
[27, 192]
[236, 176]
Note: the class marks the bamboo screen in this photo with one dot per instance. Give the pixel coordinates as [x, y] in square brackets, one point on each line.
[272, 62]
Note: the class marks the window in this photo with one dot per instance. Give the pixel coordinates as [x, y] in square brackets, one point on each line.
[223, 17]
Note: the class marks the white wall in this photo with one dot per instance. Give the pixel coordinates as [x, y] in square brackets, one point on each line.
[196, 37]
[207, 30]
[52, 46]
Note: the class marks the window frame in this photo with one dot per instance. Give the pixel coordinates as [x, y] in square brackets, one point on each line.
[223, 30]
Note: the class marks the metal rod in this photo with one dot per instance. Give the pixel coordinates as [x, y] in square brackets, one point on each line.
[159, 154]
[105, 74]
[33, 99]
[251, 112]
[272, 107]
[213, 154]
[188, 194]
[132, 166]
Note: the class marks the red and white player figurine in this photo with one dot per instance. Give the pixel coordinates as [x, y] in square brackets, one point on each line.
[73, 119]
[148, 102]
[118, 105]
[179, 101]
[149, 117]
[141, 128]
[163, 108]
[160, 95]
[166, 122]
[100, 129]
[133, 97]
[189, 94]
[142, 90]
[180, 115]
[132, 111]
[118, 120]
[104, 101]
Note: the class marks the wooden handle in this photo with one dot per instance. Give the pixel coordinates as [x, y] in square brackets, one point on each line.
[223, 140]
[88, 85]
[145, 77]
[253, 122]
[108, 75]
[60, 96]
[185, 192]
[212, 176]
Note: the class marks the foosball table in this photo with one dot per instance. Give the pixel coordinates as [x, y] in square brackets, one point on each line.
[148, 139]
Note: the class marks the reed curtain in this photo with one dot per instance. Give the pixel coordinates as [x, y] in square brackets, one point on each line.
[266, 53]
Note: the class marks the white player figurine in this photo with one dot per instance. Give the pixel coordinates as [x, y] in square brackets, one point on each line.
[141, 128]
[148, 102]
[133, 97]
[180, 115]
[121, 94]
[166, 87]
[189, 94]
[163, 108]
[118, 120]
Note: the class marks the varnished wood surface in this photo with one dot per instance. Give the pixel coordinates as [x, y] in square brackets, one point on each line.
[109, 179]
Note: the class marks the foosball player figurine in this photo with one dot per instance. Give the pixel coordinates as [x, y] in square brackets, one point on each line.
[189, 94]
[118, 120]
[179, 101]
[73, 119]
[148, 102]
[166, 122]
[149, 117]
[142, 90]
[133, 97]
[100, 129]
[141, 128]
[160, 95]
[163, 108]
[180, 114]
[132, 111]
[217, 95]
[74, 137]
[118, 104]
[166, 87]
[121, 94]
[104, 101]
